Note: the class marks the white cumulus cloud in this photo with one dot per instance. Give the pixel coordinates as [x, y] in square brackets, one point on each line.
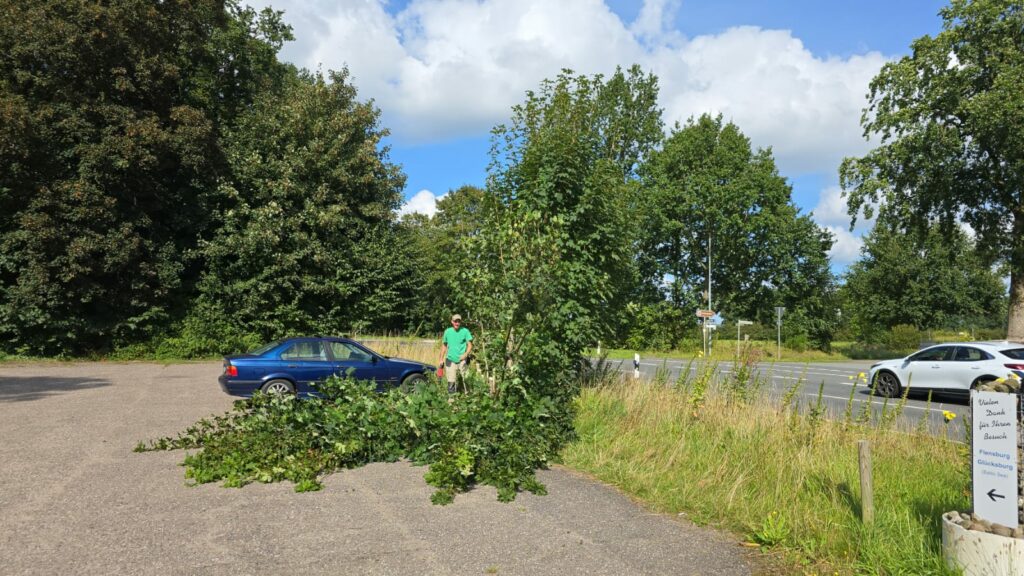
[446, 68]
[831, 214]
[423, 202]
[831, 208]
[846, 249]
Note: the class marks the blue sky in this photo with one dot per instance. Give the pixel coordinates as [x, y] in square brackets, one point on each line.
[792, 75]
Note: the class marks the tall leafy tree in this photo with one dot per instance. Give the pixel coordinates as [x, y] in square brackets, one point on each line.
[553, 241]
[630, 128]
[309, 242]
[110, 114]
[948, 118]
[629, 121]
[708, 186]
[444, 245]
[935, 281]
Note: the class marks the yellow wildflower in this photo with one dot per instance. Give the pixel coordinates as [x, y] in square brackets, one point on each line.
[949, 416]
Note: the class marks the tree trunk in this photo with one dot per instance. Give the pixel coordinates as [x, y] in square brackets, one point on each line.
[1015, 329]
[1015, 326]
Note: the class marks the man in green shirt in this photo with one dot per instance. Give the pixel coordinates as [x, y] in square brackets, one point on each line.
[456, 344]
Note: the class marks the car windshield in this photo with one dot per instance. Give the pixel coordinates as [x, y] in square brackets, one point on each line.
[265, 348]
[1016, 353]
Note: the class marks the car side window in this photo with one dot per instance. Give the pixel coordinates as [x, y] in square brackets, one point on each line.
[309, 350]
[933, 354]
[967, 354]
[345, 351]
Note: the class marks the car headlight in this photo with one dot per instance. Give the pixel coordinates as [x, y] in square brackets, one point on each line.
[875, 365]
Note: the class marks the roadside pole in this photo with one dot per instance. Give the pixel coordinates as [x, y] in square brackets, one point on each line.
[778, 327]
[740, 323]
[704, 331]
[705, 316]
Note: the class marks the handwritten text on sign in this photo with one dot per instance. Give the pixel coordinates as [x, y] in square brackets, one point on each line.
[994, 453]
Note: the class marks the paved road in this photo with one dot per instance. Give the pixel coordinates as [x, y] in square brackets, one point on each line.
[74, 499]
[834, 380]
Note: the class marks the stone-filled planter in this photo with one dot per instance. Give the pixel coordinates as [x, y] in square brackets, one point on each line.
[981, 548]
[980, 553]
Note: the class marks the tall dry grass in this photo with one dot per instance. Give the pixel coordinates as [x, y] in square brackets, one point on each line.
[780, 474]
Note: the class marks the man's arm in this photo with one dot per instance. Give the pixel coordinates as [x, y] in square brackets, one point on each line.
[444, 353]
[469, 348]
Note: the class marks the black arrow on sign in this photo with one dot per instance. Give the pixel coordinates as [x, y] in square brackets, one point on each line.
[992, 494]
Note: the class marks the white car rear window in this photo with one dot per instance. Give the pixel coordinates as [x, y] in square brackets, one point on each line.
[1016, 353]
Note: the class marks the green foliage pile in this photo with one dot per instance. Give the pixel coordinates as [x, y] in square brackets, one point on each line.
[466, 439]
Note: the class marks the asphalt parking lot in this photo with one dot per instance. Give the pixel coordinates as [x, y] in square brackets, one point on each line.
[75, 499]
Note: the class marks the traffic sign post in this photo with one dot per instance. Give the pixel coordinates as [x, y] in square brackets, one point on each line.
[994, 456]
[705, 316]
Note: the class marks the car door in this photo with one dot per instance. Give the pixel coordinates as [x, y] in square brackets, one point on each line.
[968, 363]
[307, 362]
[349, 358]
[928, 368]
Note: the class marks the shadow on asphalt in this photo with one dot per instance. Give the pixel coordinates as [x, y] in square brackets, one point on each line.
[922, 395]
[26, 388]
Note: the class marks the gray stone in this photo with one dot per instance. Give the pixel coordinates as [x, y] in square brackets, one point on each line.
[1001, 530]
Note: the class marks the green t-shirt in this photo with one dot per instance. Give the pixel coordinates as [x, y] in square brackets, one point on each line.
[457, 341]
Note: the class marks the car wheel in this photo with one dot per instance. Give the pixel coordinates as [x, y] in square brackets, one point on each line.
[412, 382]
[278, 387]
[886, 384]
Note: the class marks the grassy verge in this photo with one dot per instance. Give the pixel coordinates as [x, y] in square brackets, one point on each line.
[725, 350]
[783, 480]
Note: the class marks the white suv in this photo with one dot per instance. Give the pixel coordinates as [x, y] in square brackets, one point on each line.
[953, 366]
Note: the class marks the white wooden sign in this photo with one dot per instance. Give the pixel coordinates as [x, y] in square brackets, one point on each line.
[994, 456]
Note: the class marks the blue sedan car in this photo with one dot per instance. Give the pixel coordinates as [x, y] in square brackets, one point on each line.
[293, 365]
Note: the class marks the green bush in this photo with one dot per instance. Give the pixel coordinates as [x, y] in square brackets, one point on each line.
[904, 337]
[798, 342]
[990, 334]
[465, 439]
